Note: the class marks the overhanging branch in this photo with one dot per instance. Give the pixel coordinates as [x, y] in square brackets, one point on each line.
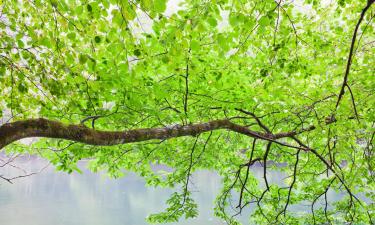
[11, 132]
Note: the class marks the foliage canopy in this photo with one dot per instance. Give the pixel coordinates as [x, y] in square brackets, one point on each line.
[288, 85]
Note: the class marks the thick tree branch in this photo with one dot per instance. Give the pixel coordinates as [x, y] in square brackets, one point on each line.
[11, 132]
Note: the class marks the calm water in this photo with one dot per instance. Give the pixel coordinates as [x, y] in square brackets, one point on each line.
[52, 197]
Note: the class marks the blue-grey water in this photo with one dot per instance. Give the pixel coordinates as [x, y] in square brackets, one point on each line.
[52, 197]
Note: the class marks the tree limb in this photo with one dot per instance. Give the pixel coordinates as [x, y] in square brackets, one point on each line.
[11, 132]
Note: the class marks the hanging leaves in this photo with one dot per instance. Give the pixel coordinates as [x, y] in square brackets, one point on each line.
[274, 69]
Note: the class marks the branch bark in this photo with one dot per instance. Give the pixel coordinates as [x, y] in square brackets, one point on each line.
[11, 132]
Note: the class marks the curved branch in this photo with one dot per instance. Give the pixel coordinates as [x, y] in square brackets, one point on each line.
[11, 132]
[350, 58]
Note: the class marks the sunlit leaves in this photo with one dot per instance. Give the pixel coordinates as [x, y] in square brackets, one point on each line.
[179, 205]
[135, 62]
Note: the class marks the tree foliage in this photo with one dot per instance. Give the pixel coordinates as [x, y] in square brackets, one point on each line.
[293, 81]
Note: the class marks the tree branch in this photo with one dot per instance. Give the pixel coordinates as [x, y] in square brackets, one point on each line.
[11, 132]
[350, 57]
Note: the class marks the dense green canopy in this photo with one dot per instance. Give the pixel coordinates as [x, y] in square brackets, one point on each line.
[220, 85]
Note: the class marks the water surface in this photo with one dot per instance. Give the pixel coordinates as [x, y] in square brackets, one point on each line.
[52, 197]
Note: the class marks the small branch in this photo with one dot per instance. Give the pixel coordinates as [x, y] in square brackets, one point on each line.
[170, 107]
[249, 164]
[350, 57]
[291, 185]
[9, 180]
[93, 118]
[256, 119]
[265, 164]
[314, 201]
[353, 102]
[188, 173]
[186, 89]
[330, 168]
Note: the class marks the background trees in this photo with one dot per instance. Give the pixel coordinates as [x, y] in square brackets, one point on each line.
[220, 85]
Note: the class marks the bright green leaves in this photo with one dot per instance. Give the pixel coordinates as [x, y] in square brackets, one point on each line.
[69, 60]
[45, 42]
[128, 11]
[264, 21]
[154, 7]
[71, 36]
[83, 58]
[212, 21]
[236, 18]
[194, 45]
[94, 10]
[117, 17]
[223, 42]
[179, 205]
[160, 5]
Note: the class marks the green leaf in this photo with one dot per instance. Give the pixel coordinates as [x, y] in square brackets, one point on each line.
[194, 45]
[212, 21]
[83, 58]
[137, 52]
[71, 35]
[160, 5]
[264, 21]
[22, 88]
[89, 8]
[97, 39]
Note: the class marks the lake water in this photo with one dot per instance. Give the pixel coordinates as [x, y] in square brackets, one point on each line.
[54, 198]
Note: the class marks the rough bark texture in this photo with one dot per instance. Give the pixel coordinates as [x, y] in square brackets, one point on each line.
[11, 132]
